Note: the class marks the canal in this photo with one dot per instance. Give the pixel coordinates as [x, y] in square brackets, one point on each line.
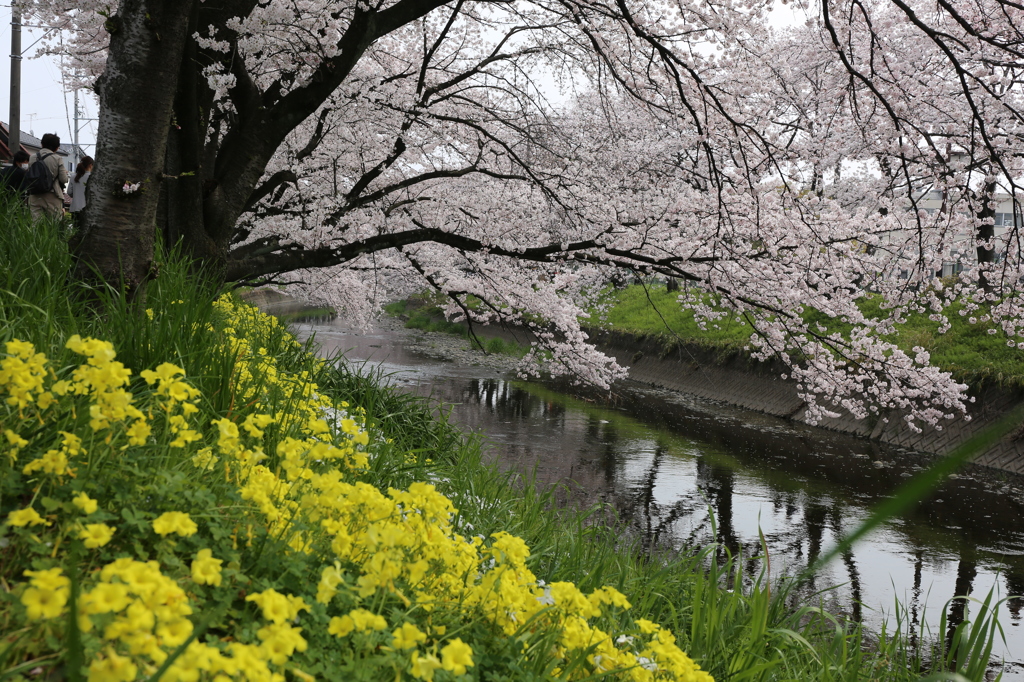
[666, 463]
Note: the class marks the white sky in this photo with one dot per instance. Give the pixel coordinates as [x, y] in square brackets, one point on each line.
[45, 107]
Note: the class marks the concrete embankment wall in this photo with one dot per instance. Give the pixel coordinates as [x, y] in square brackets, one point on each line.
[273, 301]
[738, 380]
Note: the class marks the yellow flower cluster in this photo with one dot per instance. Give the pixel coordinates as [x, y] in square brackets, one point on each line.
[297, 461]
[404, 545]
[175, 522]
[47, 593]
[178, 404]
[103, 379]
[256, 372]
[206, 569]
[143, 616]
[22, 373]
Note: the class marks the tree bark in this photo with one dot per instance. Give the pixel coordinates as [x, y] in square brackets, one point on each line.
[986, 232]
[136, 94]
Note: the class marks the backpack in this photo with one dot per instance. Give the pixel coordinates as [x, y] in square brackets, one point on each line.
[38, 177]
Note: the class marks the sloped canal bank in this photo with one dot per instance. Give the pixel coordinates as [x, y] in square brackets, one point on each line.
[665, 462]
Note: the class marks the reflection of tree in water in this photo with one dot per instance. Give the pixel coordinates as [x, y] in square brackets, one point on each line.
[915, 597]
[718, 482]
[966, 572]
[602, 437]
[503, 398]
[836, 516]
[819, 517]
[1014, 577]
[653, 523]
[815, 520]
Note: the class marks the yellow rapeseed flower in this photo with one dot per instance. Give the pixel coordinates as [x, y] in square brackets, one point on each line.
[407, 637]
[206, 569]
[44, 603]
[174, 632]
[138, 432]
[53, 462]
[278, 607]
[204, 459]
[330, 578]
[457, 656]
[49, 579]
[175, 522]
[14, 439]
[106, 598]
[423, 667]
[96, 534]
[85, 503]
[26, 517]
[166, 372]
[280, 641]
[113, 668]
[341, 626]
[255, 423]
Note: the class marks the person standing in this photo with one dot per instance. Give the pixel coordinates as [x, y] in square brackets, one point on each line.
[49, 202]
[77, 189]
[13, 177]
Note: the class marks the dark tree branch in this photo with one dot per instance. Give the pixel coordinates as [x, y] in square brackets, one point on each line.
[278, 179]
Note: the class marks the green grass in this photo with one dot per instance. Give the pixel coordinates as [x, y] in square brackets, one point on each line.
[967, 350]
[653, 312]
[423, 312]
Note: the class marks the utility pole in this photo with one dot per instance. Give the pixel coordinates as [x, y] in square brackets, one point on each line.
[74, 138]
[79, 123]
[14, 139]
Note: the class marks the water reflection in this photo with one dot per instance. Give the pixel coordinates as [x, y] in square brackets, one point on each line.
[666, 465]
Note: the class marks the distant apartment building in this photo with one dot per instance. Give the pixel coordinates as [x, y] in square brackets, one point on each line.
[966, 255]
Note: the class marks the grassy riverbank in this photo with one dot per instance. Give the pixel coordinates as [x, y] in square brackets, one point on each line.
[650, 312]
[187, 493]
[966, 350]
[423, 313]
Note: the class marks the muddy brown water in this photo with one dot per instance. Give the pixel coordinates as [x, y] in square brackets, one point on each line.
[666, 462]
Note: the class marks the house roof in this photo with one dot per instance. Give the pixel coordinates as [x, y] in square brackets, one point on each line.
[68, 149]
[30, 144]
[30, 141]
[5, 151]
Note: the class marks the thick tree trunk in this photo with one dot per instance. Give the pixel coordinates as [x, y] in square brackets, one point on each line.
[190, 159]
[986, 232]
[136, 94]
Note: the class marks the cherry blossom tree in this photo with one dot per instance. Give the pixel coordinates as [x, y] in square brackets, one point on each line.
[512, 155]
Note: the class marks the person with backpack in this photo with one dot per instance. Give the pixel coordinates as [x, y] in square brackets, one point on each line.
[12, 178]
[46, 179]
[76, 190]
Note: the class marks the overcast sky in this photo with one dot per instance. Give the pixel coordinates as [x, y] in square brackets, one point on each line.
[45, 107]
